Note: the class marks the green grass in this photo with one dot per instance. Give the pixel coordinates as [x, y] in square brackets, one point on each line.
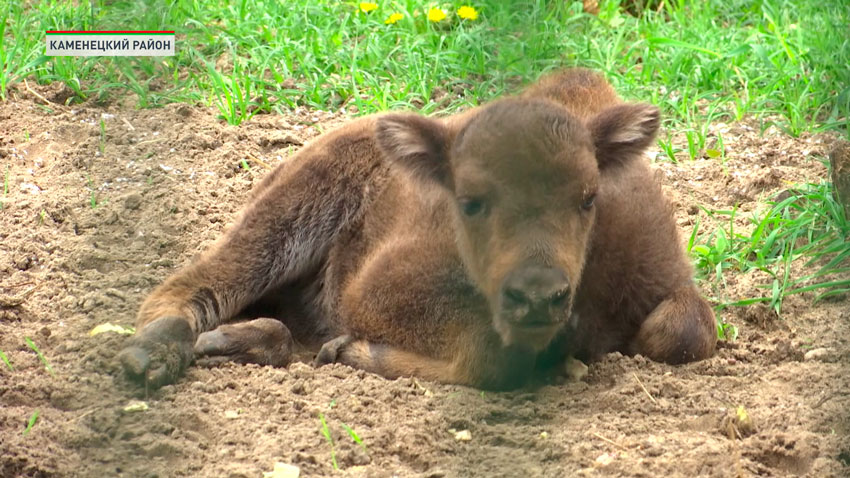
[5, 360]
[102, 142]
[354, 436]
[92, 191]
[40, 355]
[807, 230]
[31, 422]
[781, 60]
[326, 432]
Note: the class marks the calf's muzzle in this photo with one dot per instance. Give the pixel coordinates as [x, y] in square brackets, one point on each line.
[535, 296]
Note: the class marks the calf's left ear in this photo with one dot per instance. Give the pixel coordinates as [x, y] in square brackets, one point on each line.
[621, 133]
[417, 144]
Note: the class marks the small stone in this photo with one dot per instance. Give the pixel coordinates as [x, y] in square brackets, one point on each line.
[283, 470]
[820, 354]
[68, 302]
[133, 201]
[88, 304]
[463, 435]
[603, 460]
[231, 414]
[299, 387]
[22, 262]
[653, 446]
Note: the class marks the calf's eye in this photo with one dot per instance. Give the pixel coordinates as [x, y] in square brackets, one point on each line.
[587, 204]
[471, 206]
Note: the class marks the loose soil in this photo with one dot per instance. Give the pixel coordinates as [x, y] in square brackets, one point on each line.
[104, 202]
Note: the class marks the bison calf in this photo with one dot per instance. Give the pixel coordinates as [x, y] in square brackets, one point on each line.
[462, 249]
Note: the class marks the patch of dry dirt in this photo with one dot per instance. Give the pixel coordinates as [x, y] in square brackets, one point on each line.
[166, 182]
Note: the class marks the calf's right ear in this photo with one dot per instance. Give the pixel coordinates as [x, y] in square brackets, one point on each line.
[621, 133]
[418, 144]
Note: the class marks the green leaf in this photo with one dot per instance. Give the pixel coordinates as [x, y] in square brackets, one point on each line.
[6, 360]
[681, 44]
[31, 421]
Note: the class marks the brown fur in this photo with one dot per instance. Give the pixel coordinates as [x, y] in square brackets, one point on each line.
[465, 249]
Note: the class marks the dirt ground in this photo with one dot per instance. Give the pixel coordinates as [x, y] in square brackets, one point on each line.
[95, 216]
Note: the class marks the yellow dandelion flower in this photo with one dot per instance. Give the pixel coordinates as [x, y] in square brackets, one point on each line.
[467, 12]
[367, 7]
[394, 18]
[436, 14]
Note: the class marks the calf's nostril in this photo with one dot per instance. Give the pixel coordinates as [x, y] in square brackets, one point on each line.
[559, 299]
[515, 296]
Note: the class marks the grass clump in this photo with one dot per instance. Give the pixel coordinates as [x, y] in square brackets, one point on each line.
[326, 432]
[804, 229]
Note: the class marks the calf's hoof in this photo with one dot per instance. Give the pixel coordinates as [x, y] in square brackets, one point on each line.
[159, 353]
[574, 370]
[331, 351]
[261, 341]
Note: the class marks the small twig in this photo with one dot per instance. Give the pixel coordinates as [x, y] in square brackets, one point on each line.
[149, 141]
[644, 389]
[19, 284]
[258, 161]
[128, 124]
[822, 400]
[36, 94]
[8, 301]
[85, 415]
[609, 441]
[33, 289]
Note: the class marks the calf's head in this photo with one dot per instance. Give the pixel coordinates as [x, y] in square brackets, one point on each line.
[523, 175]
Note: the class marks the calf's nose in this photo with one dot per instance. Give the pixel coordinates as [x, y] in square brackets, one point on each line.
[535, 293]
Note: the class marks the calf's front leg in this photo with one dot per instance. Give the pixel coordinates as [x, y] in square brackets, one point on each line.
[281, 236]
[681, 329]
